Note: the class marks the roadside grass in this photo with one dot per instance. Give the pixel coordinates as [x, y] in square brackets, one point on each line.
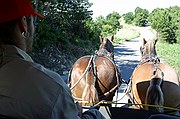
[170, 53]
[124, 34]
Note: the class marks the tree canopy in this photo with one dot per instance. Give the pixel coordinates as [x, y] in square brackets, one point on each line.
[167, 23]
[129, 17]
[70, 22]
[109, 25]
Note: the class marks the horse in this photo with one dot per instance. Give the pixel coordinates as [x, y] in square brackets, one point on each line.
[94, 78]
[154, 83]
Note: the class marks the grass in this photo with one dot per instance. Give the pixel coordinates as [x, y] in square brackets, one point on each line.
[170, 53]
[125, 34]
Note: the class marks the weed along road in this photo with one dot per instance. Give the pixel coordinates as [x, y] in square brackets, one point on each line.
[127, 56]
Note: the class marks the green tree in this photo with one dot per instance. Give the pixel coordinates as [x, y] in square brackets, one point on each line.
[156, 19]
[100, 22]
[129, 17]
[93, 32]
[166, 22]
[141, 16]
[175, 24]
[113, 20]
[64, 22]
[178, 34]
[109, 25]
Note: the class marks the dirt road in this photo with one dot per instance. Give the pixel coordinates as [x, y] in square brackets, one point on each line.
[127, 57]
[127, 54]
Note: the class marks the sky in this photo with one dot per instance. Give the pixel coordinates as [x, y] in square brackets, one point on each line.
[104, 7]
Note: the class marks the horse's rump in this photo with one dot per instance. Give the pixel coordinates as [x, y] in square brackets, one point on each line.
[155, 83]
[106, 79]
[142, 76]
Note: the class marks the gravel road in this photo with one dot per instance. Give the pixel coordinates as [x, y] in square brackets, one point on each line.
[127, 57]
[127, 54]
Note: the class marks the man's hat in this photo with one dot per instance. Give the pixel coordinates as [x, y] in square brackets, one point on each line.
[13, 9]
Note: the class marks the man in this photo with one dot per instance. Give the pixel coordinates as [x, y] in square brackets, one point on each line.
[27, 89]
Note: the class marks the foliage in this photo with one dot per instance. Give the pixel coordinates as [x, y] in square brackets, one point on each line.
[129, 17]
[156, 19]
[100, 21]
[68, 25]
[141, 17]
[125, 34]
[109, 25]
[93, 33]
[170, 54]
[65, 24]
[178, 33]
[167, 23]
[113, 21]
[67, 33]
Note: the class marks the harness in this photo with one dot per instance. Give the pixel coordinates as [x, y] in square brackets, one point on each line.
[92, 64]
[146, 59]
[155, 61]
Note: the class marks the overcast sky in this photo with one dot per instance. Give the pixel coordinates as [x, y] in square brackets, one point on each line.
[104, 7]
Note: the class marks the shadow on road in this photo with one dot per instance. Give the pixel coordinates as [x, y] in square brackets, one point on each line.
[127, 58]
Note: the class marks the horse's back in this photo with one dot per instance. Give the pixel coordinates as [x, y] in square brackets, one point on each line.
[144, 72]
[170, 74]
[170, 85]
[77, 72]
[106, 74]
[102, 64]
[81, 63]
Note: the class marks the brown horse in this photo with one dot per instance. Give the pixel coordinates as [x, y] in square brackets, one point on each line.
[95, 78]
[153, 82]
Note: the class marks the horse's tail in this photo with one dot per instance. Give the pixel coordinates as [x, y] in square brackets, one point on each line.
[154, 95]
[90, 93]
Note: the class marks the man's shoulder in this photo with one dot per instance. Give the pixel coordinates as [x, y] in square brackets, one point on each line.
[36, 71]
[39, 69]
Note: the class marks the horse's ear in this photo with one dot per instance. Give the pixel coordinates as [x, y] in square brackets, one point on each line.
[155, 41]
[112, 38]
[101, 39]
[144, 41]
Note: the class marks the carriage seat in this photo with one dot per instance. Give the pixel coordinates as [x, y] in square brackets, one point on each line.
[5, 117]
[163, 116]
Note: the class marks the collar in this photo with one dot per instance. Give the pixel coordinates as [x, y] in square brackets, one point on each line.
[13, 51]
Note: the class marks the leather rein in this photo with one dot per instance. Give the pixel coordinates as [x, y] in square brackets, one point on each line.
[92, 64]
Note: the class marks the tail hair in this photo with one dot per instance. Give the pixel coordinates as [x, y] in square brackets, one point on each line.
[90, 94]
[154, 95]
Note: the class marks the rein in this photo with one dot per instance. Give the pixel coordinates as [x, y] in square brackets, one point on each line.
[105, 53]
[109, 56]
[87, 68]
[92, 64]
[148, 58]
[117, 77]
